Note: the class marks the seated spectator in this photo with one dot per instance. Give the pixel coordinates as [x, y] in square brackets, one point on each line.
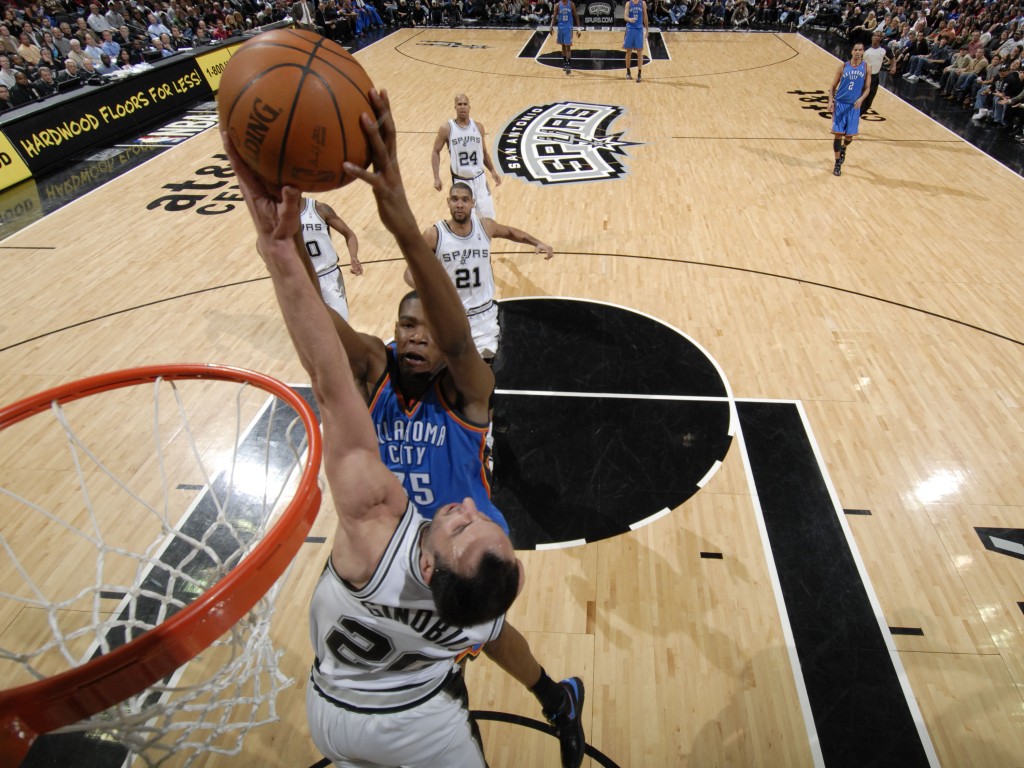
[1009, 88]
[106, 66]
[984, 82]
[806, 16]
[918, 46]
[124, 59]
[22, 92]
[6, 72]
[539, 13]
[51, 46]
[403, 15]
[961, 63]
[931, 63]
[983, 101]
[88, 71]
[109, 45]
[178, 41]
[659, 11]
[76, 54]
[154, 28]
[115, 15]
[97, 21]
[740, 18]
[677, 12]
[5, 98]
[46, 85]
[91, 48]
[766, 15]
[70, 71]
[124, 35]
[967, 79]
[28, 50]
[201, 35]
[861, 33]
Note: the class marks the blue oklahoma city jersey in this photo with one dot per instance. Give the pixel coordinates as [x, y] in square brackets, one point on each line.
[437, 456]
[634, 14]
[563, 12]
[851, 84]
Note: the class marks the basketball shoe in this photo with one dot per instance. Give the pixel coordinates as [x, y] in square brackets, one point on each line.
[568, 723]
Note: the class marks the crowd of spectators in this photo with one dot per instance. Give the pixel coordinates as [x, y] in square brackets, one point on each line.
[55, 45]
[970, 52]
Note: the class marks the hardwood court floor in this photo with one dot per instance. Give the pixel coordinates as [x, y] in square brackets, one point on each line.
[887, 302]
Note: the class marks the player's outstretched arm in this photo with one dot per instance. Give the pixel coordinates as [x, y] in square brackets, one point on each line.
[360, 483]
[494, 229]
[437, 293]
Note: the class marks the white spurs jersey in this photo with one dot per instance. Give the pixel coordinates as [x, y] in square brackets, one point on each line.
[382, 646]
[465, 150]
[467, 260]
[316, 234]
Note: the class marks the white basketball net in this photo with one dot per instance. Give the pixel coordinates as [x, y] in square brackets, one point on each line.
[117, 512]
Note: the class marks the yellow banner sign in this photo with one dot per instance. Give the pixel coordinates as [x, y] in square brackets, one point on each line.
[212, 64]
[12, 168]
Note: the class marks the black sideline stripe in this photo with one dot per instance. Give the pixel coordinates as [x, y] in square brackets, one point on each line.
[860, 712]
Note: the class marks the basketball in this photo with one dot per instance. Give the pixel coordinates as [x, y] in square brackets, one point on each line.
[290, 100]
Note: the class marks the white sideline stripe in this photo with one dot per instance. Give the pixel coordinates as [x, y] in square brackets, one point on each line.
[649, 520]
[613, 395]
[562, 544]
[787, 630]
[908, 693]
[710, 473]
[1009, 546]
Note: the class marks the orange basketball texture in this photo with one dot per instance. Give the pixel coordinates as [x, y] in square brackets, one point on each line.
[290, 100]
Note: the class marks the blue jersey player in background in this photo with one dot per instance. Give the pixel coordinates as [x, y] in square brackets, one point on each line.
[429, 396]
[565, 19]
[635, 14]
[849, 89]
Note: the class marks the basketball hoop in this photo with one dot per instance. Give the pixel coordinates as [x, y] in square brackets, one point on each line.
[219, 579]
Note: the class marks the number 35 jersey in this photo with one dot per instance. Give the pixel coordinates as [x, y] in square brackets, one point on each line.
[382, 646]
[438, 456]
[467, 260]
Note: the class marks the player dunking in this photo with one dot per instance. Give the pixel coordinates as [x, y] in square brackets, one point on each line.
[636, 34]
[467, 151]
[382, 691]
[317, 221]
[565, 19]
[849, 88]
[463, 245]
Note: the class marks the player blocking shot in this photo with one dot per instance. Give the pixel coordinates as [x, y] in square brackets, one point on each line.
[383, 691]
[367, 703]
[849, 89]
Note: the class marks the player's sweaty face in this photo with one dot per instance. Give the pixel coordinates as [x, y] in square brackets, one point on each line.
[417, 353]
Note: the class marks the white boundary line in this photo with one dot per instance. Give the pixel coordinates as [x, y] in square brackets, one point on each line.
[787, 630]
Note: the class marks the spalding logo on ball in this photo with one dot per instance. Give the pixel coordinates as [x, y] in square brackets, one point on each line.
[290, 100]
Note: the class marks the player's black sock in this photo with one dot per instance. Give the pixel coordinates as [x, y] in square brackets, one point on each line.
[549, 693]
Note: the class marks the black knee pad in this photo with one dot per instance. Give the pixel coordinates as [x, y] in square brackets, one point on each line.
[837, 144]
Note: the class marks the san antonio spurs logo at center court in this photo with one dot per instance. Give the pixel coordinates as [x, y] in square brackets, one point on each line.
[562, 143]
